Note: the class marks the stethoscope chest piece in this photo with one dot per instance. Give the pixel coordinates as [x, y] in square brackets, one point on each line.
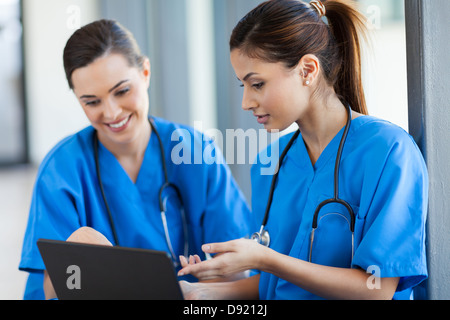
[262, 237]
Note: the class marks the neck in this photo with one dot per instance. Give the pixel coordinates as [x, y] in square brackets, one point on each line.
[321, 123]
[131, 154]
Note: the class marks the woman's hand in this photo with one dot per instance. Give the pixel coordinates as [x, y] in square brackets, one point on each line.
[244, 289]
[192, 260]
[230, 258]
[199, 291]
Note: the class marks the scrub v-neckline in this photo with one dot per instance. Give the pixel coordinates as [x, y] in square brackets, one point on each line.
[115, 171]
[303, 158]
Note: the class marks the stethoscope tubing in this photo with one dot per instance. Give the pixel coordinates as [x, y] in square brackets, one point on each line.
[102, 190]
[275, 178]
[264, 234]
[162, 200]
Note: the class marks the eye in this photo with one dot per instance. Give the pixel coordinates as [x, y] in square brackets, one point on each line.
[122, 92]
[93, 103]
[258, 86]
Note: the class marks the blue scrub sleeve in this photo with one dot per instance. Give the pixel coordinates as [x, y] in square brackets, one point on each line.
[53, 215]
[34, 287]
[392, 216]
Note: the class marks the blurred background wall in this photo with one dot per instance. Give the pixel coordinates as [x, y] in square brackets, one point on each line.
[192, 82]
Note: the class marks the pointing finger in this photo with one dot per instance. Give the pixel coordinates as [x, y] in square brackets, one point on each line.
[218, 247]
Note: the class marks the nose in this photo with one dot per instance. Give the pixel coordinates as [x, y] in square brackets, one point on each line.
[111, 110]
[248, 103]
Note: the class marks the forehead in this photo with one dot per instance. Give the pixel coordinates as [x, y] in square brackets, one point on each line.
[244, 65]
[102, 74]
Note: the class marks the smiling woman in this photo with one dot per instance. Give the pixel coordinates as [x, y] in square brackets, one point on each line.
[114, 98]
[110, 78]
[130, 203]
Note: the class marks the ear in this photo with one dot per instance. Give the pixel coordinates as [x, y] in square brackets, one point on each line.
[146, 71]
[309, 67]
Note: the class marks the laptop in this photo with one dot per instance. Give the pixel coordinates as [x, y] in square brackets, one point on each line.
[91, 272]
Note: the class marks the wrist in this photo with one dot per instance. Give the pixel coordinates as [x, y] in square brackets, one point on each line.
[264, 258]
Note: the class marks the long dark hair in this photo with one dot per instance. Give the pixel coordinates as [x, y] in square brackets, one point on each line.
[286, 30]
[97, 39]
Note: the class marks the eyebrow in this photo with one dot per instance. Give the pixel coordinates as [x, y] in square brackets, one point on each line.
[111, 90]
[249, 75]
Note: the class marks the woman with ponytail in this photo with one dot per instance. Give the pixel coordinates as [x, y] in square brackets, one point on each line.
[301, 62]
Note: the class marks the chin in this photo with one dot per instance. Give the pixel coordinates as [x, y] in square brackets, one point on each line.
[273, 129]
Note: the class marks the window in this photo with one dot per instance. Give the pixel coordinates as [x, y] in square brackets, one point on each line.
[384, 69]
[12, 111]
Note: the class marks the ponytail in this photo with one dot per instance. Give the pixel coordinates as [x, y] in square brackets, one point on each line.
[346, 25]
[286, 30]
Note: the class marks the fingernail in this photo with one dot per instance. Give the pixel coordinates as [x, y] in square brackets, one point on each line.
[206, 248]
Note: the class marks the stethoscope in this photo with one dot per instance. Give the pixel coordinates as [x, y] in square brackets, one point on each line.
[263, 236]
[164, 196]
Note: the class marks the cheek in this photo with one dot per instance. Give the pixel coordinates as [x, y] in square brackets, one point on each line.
[290, 97]
[93, 114]
[129, 102]
[137, 101]
[275, 100]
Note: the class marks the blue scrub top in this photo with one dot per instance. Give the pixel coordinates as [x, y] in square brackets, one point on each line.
[383, 177]
[67, 196]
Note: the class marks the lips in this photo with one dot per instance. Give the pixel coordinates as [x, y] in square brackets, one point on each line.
[262, 119]
[119, 125]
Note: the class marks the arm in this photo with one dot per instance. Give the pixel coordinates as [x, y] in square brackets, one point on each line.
[327, 282]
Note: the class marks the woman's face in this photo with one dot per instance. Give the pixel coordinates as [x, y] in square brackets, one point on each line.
[272, 92]
[114, 97]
